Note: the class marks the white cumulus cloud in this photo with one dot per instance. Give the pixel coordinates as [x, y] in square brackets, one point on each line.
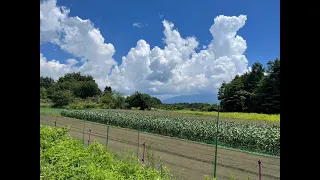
[78, 37]
[174, 70]
[54, 68]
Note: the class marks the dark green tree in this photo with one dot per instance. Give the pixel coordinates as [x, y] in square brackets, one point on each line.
[80, 86]
[46, 82]
[119, 100]
[268, 92]
[108, 100]
[252, 79]
[253, 91]
[61, 98]
[43, 94]
[75, 77]
[155, 102]
[232, 95]
[139, 100]
[85, 89]
[107, 90]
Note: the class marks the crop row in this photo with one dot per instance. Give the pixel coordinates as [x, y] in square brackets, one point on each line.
[259, 138]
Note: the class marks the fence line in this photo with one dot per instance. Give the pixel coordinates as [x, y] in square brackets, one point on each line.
[189, 148]
[102, 136]
[114, 137]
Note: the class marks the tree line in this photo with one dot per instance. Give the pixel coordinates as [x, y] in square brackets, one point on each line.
[77, 91]
[190, 106]
[255, 91]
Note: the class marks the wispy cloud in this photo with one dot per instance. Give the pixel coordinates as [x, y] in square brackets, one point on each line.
[139, 25]
[160, 15]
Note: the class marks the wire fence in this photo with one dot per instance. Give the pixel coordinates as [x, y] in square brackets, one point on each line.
[185, 159]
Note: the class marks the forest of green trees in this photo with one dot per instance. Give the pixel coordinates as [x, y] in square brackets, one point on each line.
[255, 91]
[190, 106]
[76, 91]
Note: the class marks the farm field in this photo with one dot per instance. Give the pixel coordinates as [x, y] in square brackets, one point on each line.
[261, 138]
[186, 159]
[252, 118]
[197, 115]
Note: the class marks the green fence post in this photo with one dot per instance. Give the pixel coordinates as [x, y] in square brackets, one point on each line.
[216, 151]
[45, 121]
[84, 126]
[107, 135]
[138, 146]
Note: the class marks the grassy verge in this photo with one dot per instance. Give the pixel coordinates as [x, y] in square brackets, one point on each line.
[232, 115]
[50, 111]
[61, 157]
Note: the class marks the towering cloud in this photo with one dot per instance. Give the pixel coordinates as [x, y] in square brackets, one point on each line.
[175, 69]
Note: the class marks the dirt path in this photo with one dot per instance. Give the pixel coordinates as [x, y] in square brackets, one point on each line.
[185, 159]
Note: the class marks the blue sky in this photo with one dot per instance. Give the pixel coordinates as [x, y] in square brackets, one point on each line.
[115, 20]
[192, 18]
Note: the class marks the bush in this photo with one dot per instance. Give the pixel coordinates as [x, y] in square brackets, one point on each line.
[205, 109]
[43, 93]
[139, 100]
[95, 99]
[75, 106]
[83, 105]
[108, 101]
[46, 101]
[61, 98]
[45, 105]
[91, 105]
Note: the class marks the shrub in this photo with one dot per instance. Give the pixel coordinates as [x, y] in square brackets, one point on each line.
[61, 98]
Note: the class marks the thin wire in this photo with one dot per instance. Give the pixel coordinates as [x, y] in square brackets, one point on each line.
[189, 148]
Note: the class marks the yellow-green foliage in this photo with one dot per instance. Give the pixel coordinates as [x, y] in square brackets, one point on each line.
[64, 158]
[45, 105]
[83, 105]
[235, 115]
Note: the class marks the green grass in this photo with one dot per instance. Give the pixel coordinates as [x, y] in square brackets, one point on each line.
[61, 157]
[50, 111]
[235, 115]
